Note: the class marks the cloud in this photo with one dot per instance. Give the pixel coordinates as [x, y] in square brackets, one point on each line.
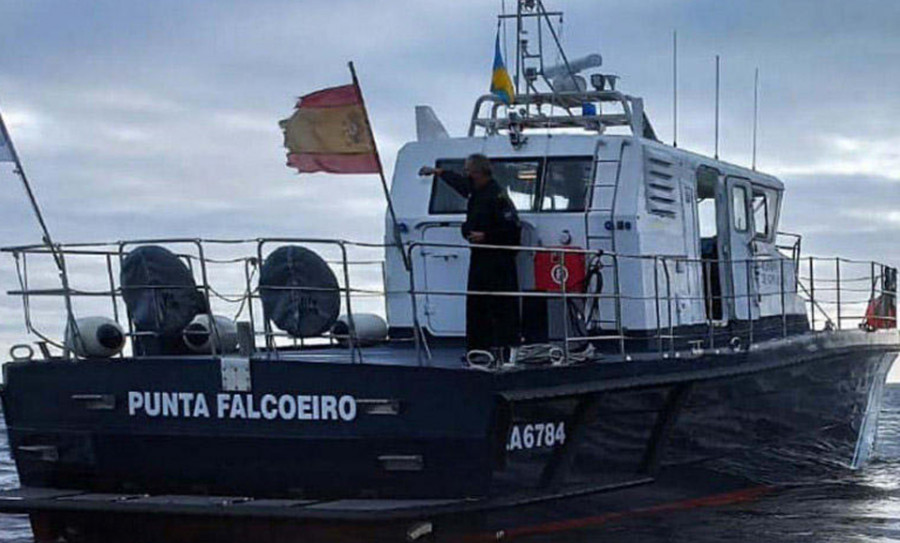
[851, 156]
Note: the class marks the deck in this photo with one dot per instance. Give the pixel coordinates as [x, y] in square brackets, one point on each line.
[448, 355]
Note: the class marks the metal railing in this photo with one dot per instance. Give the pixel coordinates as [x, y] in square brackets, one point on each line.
[842, 291]
[539, 114]
[624, 305]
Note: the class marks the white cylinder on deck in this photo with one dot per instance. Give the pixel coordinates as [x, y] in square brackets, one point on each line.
[97, 337]
[200, 337]
[370, 328]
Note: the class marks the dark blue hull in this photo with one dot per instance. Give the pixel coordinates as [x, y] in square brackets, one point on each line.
[482, 451]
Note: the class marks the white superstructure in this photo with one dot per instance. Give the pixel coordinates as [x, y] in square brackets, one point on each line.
[623, 194]
[689, 240]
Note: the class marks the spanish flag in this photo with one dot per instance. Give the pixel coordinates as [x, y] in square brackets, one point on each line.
[501, 84]
[329, 132]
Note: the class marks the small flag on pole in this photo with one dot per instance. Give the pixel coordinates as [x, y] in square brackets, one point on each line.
[6, 153]
[501, 83]
[329, 132]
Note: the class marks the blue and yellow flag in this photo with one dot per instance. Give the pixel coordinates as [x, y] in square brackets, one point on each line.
[501, 84]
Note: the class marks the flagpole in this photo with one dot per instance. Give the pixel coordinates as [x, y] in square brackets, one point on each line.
[48, 241]
[384, 186]
[20, 171]
[417, 331]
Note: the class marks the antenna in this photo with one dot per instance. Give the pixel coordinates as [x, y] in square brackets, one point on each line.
[717, 108]
[674, 88]
[503, 12]
[518, 42]
[755, 113]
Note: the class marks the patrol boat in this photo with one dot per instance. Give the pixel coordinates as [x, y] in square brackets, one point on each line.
[676, 345]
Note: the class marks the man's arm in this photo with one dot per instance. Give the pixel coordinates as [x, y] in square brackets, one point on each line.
[457, 182]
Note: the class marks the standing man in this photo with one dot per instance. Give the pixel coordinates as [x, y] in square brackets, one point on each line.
[492, 322]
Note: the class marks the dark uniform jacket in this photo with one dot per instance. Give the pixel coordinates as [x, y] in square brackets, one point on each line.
[489, 210]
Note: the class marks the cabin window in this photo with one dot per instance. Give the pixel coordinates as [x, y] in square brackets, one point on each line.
[445, 200]
[739, 208]
[533, 184]
[565, 184]
[520, 178]
[707, 181]
[765, 212]
[760, 215]
[706, 211]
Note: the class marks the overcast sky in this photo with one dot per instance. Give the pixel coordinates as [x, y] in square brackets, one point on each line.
[148, 119]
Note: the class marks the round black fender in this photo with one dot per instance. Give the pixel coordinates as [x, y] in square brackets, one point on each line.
[159, 291]
[299, 292]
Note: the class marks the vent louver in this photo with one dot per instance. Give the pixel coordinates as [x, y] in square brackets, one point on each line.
[661, 184]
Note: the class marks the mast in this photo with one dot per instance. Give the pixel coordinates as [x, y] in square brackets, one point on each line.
[532, 14]
[563, 85]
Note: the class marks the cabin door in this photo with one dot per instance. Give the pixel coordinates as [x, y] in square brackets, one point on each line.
[739, 249]
[446, 271]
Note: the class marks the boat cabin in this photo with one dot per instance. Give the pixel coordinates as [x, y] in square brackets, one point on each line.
[665, 239]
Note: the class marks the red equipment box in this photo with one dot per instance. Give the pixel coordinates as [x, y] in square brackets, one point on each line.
[549, 272]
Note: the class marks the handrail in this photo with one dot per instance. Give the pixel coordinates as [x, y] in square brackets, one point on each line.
[559, 99]
[826, 284]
